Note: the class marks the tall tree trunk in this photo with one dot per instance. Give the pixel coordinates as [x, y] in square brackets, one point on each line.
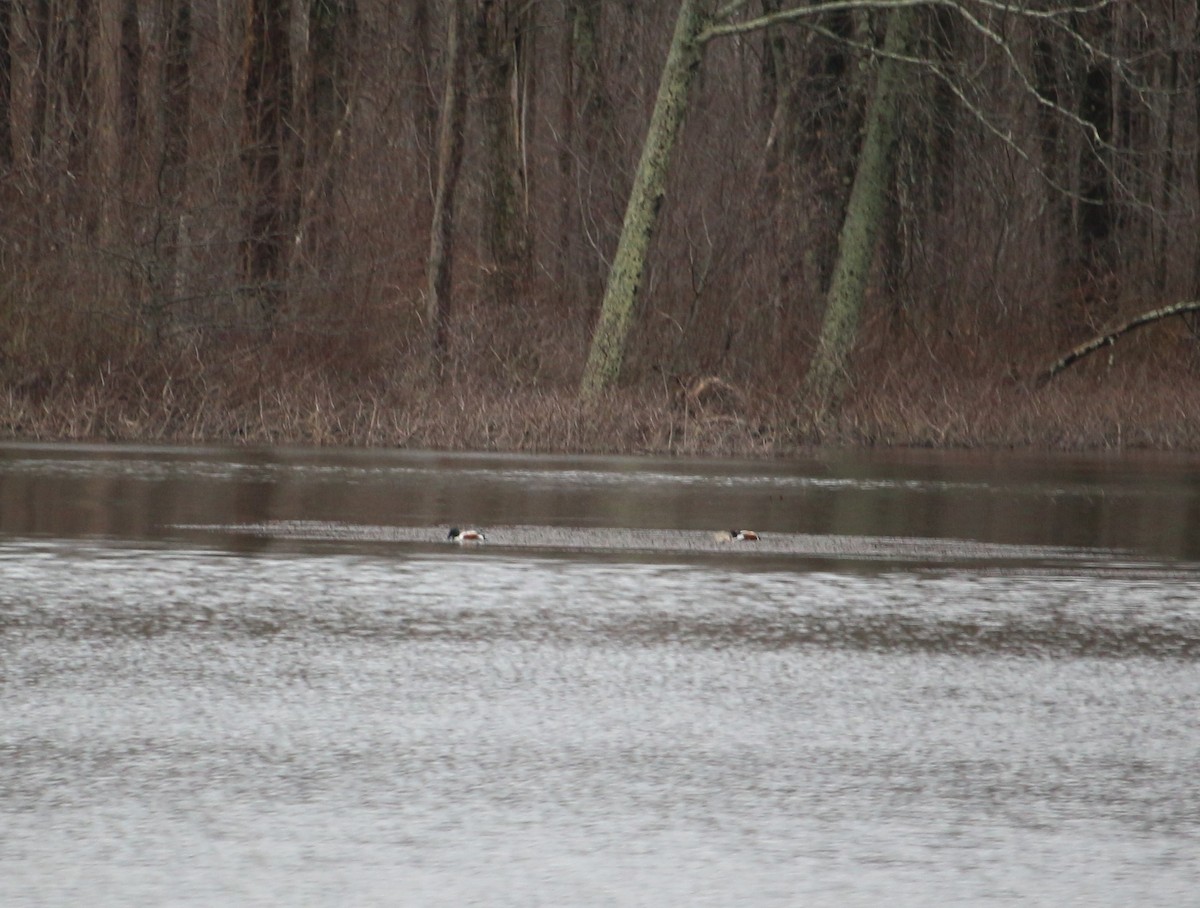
[586, 134]
[176, 103]
[1097, 212]
[64, 32]
[503, 33]
[131, 82]
[420, 70]
[1056, 64]
[824, 128]
[38, 22]
[449, 163]
[332, 25]
[645, 199]
[6, 136]
[107, 145]
[1166, 187]
[828, 374]
[1196, 151]
[171, 260]
[268, 110]
[77, 103]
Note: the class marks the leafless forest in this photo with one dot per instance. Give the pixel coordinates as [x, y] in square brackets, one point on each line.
[374, 222]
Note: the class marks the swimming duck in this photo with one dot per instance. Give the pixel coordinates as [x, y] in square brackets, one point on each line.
[457, 535]
[743, 535]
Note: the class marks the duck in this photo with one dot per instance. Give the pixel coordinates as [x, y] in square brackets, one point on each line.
[743, 535]
[461, 536]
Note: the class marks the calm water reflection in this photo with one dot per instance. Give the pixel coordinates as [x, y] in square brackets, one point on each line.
[261, 678]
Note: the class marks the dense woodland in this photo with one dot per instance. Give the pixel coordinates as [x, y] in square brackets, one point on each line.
[362, 221]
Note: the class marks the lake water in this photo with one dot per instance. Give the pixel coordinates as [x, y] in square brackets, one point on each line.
[263, 677]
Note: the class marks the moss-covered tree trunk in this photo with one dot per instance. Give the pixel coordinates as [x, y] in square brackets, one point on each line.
[828, 375]
[641, 213]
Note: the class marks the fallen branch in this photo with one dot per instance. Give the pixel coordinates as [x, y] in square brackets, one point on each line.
[1110, 337]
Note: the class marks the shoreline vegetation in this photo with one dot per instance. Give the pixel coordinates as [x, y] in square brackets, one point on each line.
[269, 393]
[695, 227]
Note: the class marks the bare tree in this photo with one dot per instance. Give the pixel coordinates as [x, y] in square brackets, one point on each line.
[326, 86]
[828, 373]
[6, 137]
[587, 138]
[649, 187]
[164, 163]
[504, 33]
[267, 126]
[167, 264]
[449, 163]
[700, 22]
[107, 144]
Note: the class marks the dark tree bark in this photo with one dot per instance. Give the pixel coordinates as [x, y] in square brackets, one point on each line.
[1096, 211]
[944, 49]
[269, 201]
[170, 258]
[79, 30]
[130, 83]
[332, 27]
[1196, 152]
[105, 169]
[503, 34]
[421, 68]
[449, 164]
[1167, 188]
[824, 125]
[813, 92]
[38, 18]
[1053, 64]
[6, 136]
[587, 134]
[176, 100]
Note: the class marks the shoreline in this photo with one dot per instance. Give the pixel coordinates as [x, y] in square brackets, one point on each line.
[1075, 415]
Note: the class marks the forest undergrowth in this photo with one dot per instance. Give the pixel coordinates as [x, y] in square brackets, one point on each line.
[372, 390]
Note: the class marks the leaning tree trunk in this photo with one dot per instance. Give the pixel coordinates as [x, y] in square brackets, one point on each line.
[828, 374]
[1110, 337]
[649, 187]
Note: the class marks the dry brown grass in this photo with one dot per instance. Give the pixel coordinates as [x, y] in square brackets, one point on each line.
[510, 393]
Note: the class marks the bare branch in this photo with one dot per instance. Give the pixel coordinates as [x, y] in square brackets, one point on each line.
[1110, 337]
[979, 115]
[801, 12]
[790, 15]
[727, 12]
[1053, 14]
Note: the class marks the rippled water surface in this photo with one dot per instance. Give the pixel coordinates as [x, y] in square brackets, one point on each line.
[265, 678]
